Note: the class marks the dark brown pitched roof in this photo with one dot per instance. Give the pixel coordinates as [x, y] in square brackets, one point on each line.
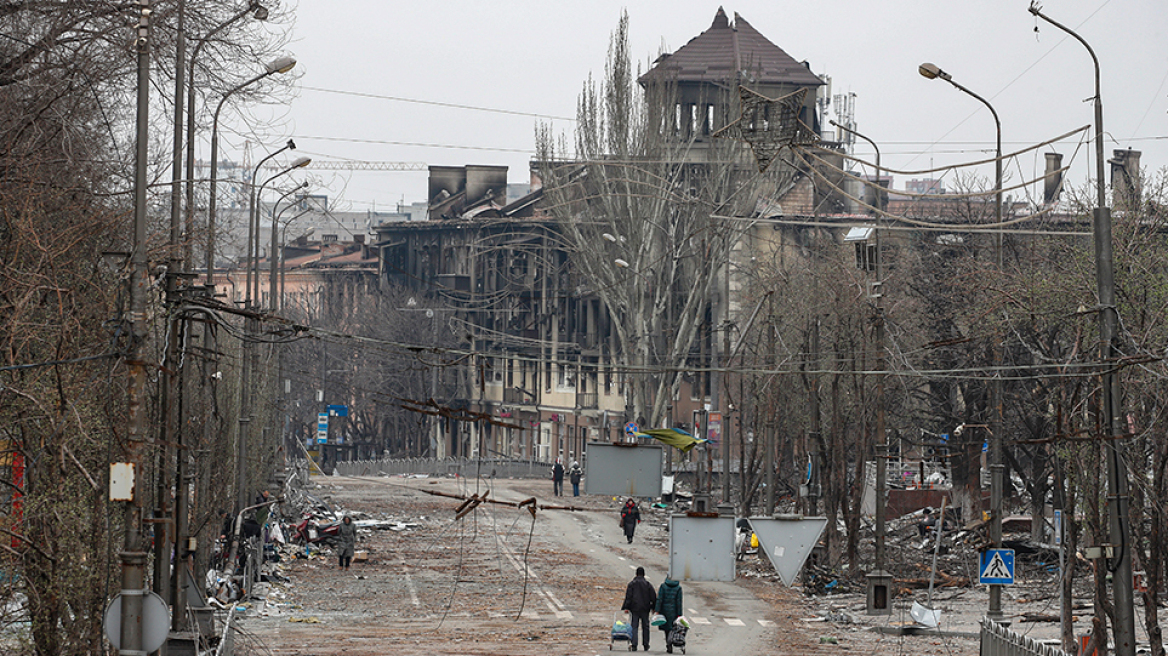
[716, 54]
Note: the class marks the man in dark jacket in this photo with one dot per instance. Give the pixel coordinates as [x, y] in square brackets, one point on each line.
[669, 604]
[558, 478]
[640, 597]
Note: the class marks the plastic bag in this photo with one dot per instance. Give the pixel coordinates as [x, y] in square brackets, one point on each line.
[658, 620]
[753, 541]
[622, 629]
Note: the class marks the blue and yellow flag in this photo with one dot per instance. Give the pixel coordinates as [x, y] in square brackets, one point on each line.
[674, 437]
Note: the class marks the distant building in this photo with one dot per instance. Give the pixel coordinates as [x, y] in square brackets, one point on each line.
[925, 186]
[552, 372]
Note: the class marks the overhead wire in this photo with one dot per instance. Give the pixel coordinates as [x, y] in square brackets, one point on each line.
[435, 103]
[911, 221]
[387, 142]
[1019, 76]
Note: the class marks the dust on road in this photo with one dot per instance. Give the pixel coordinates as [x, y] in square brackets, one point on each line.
[499, 581]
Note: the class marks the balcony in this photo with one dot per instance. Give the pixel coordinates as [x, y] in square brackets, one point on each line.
[586, 400]
[517, 396]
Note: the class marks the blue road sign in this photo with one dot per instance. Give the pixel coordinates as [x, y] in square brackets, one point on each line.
[338, 410]
[997, 567]
[322, 428]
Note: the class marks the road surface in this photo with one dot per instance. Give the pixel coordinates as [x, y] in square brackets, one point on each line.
[500, 581]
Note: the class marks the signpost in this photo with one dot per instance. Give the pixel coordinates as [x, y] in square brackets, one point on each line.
[322, 421]
[997, 567]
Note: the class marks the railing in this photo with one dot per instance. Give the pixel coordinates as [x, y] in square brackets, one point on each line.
[997, 640]
[466, 467]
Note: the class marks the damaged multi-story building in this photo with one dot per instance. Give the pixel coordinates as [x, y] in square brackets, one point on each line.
[549, 365]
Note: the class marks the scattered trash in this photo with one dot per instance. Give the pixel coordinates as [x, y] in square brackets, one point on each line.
[839, 617]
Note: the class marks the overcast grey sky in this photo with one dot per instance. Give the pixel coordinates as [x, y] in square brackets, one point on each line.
[532, 58]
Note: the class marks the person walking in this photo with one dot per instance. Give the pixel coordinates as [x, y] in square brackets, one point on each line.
[630, 517]
[558, 478]
[574, 475]
[640, 598]
[668, 603]
[348, 542]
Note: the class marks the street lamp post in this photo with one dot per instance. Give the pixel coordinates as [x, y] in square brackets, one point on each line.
[254, 244]
[273, 256]
[281, 65]
[242, 434]
[1117, 502]
[997, 462]
[261, 13]
[209, 426]
[251, 208]
[879, 579]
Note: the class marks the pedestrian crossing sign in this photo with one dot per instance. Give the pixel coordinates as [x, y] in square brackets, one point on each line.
[997, 567]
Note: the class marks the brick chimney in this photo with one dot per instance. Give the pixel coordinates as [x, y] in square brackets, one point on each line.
[1053, 181]
[1126, 186]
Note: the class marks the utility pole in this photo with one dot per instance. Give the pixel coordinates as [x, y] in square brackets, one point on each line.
[768, 431]
[132, 558]
[1119, 564]
[166, 518]
[815, 437]
[723, 387]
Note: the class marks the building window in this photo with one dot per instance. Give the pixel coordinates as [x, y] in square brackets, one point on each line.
[495, 374]
[565, 378]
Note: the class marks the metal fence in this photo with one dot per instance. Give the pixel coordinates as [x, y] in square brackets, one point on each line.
[466, 467]
[997, 640]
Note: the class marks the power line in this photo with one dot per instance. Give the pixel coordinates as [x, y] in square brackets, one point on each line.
[436, 103]
[419, 144]
[355, 165]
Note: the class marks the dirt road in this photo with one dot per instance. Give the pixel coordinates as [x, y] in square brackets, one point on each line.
[500, 581]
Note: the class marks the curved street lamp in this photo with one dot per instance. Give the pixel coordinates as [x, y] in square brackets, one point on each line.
[260, 13]
[280, 65]
[1119, 530]
[933, 72]
[878, 578]
[254, 251]
[243, 433]
[272, 255]
[252, 224]
[997, 466]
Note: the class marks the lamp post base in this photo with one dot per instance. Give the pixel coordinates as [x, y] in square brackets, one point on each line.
[879, 596]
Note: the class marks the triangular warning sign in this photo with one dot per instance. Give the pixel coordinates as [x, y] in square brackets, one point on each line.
[788, 542]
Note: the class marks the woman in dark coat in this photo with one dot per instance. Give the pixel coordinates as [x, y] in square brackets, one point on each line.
[630, 517]
[347, 541]
[668, 604]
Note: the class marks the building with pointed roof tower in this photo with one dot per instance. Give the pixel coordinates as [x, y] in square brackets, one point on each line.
[708, 70]
[553, 382]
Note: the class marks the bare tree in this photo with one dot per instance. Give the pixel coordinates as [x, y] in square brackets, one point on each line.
[66, 78]
[637, 203]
